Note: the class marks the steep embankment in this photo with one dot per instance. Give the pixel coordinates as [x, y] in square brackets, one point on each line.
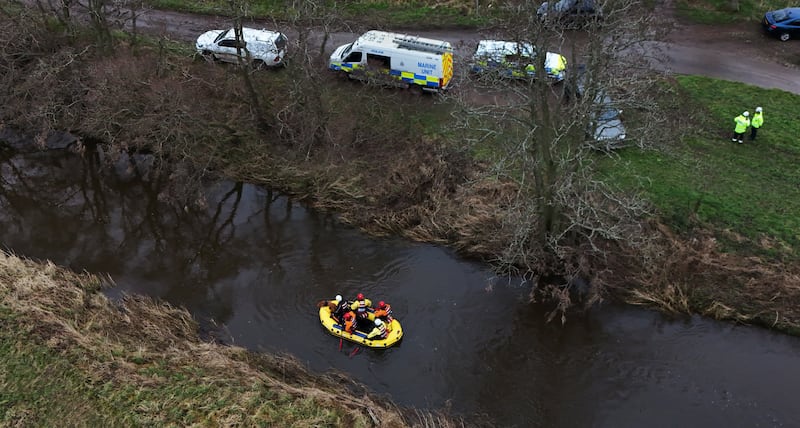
[72, 357]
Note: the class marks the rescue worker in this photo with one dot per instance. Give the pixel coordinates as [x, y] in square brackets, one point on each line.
[379, 332]
[756, 122]
[333, 304]
[384, 311]
[530, 70]
[360, 307]
[349, 322]
[340, 306]
[742, 122]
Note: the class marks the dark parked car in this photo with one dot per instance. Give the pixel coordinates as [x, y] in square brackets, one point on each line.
[570, 12]
[606, 131]
[783, 23]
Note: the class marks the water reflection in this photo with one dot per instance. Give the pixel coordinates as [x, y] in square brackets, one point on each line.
[256, 263]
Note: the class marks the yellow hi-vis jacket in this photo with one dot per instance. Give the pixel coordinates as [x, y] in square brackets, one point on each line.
[758, 120]
[741, 124]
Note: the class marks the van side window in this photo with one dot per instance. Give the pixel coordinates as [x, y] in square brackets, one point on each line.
[231, 43]
[379, 62]
[353, 57]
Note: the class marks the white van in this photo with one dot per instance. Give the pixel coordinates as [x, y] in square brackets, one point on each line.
[515, 59]
[410, 61]
[266, 48]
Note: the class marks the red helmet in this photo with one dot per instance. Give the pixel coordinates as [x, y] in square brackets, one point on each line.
[348, 315]
[381, 304]
[360, 296]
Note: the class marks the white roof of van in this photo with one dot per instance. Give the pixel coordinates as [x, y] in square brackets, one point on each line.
[396, 41]
[497, 49]
[502, 47]
[263, 35]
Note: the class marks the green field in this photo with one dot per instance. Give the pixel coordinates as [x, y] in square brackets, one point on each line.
[414, 14]
[728, 11]
[422, 13]
[748, 193]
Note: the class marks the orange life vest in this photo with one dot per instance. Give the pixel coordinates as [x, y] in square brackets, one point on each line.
[349, 325]
[386, 312]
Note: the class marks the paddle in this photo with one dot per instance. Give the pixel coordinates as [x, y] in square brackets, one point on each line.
[355, 351]
[340, 344]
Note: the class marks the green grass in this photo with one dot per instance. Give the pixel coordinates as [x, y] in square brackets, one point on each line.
[421, 14]
[43, 387]
[418, 15]
[728, 11]
[749, 190]
[38, 387]
[428, 14]
[263, 8]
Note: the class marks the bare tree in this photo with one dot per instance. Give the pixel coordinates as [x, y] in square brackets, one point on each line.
[58, 9]
[240, 9]
[305, 119]
[129, 103]
[543, 136]
[98, 17]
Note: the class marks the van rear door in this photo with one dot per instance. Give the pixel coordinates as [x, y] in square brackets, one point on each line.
[447, 70]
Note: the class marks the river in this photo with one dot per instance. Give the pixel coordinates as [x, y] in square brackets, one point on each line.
[254, 263]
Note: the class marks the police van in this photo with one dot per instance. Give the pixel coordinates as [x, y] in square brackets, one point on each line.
[516, 60]
[399, 59]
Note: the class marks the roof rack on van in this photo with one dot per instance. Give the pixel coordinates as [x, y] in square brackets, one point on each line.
[409, 42]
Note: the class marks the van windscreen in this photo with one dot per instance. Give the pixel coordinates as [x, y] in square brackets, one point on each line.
[347, 50]
[280, 42]
[222, 35]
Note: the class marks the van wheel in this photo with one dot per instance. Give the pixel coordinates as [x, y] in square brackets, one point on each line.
[416, 89]
[208, 56]
[259, 65]
[784, 37]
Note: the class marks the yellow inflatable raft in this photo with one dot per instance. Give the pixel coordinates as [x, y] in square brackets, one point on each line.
[360, 337]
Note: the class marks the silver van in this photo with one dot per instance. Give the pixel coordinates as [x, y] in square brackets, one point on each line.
[266, 48]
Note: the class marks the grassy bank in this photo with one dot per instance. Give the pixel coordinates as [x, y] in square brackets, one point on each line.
[747, 193]
[73, 358]
[461, 13]
[409, 14]
[735, 206]
[728, 11]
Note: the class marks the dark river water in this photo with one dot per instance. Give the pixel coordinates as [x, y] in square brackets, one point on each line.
[255, 263]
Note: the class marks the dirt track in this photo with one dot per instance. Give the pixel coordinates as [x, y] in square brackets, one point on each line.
[736, 52]
[740, 52]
